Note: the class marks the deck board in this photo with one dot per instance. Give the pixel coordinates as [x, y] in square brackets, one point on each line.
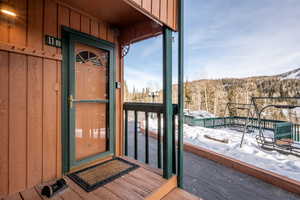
[31, 194]
[83, 194]
[136, 185]
[13, 197]
[104, 193]
[180, 194]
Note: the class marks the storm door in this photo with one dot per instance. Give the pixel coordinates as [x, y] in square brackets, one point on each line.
[90, 100]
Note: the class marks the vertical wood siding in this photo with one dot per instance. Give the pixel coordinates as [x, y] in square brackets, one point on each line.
[17, 121]
[4, 133]
[34, 120]
[163, 10]
[30, 96]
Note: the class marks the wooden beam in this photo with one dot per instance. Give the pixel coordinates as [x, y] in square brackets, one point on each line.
[29, 51]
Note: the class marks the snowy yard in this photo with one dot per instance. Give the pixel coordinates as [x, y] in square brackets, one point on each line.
[286, 165]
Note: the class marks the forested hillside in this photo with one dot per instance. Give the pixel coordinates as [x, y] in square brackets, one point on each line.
[213, 95]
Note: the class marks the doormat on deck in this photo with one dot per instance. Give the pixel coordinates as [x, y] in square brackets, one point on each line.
[98, 175]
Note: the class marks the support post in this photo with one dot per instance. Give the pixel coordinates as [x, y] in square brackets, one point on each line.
[180, 91]
[167, 101]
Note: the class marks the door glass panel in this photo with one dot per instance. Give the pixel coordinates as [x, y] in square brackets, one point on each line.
[90, 131]
[91, 72]
[91, 117]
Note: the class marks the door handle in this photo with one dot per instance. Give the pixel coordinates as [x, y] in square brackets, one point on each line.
[71, 101]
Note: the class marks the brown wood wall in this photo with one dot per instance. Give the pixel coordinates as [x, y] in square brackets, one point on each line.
[163, 10]
[30, 104]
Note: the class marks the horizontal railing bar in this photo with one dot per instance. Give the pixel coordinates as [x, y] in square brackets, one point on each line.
[298, 97]
[148, 107]
[89, 101]
[267, 124]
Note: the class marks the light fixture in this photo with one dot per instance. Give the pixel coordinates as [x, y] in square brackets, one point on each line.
[8, 12]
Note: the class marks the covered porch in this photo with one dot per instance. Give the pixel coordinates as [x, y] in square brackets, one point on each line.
[45, 46]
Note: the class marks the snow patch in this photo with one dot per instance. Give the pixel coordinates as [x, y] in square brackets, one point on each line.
[251, 153]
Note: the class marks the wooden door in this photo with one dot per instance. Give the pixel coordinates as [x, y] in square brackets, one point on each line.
[91, 115]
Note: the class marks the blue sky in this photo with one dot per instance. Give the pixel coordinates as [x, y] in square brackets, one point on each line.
[225, 38]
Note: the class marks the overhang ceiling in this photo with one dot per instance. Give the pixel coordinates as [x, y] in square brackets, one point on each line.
[116, 12]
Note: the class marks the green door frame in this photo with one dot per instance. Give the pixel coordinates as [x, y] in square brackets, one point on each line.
[69, 37]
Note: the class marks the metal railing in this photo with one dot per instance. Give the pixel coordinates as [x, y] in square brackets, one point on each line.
[158, 110]
[267, 124]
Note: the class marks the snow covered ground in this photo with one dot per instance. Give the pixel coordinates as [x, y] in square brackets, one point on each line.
[286, 165]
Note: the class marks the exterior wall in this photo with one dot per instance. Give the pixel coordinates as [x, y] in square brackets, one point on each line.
[30, 90]
[163, 10]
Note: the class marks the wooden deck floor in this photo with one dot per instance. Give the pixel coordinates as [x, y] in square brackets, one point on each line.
[142, 183]
[180, 194]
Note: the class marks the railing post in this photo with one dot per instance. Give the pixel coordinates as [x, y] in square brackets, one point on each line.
[174, 143]
[135, 135]
[159, 140]
[180, 93]
[167, 101]
[147, 138]
[126, 133]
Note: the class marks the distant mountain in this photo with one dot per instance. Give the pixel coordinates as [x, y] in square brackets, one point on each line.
[294, 74]
[212, 95]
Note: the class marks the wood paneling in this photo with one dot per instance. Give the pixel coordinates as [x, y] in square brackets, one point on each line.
[34, 120]
[4, 29]
[63, 16]
[4, 78]
[156, 8]
[162, 10]
[103, 30]
[58, 121]
[35, 24]
[85, 24]
[17, 122]
[147, 4]
[175, 16]
[75, 20]
[170, 11]
[30, 90]
[94, 28]
[50, 22]
[139, 2]
[18, 27]
[49, 119]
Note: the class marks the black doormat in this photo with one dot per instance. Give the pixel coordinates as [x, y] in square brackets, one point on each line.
[98, 175]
